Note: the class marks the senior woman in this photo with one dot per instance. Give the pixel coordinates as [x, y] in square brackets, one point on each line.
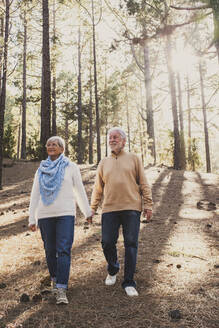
[56, 187]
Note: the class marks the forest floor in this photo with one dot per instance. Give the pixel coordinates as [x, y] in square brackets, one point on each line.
[178, 260]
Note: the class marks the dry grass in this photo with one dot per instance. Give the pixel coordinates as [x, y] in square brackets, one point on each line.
[176, 270]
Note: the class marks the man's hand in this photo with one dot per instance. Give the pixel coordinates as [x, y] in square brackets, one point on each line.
[90, 218]
[32, 227]
[147, 214]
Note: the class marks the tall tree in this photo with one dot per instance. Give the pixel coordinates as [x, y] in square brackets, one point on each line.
[90, 112]
[172, 85]
[46, 81]
[4, 83]
[207, 151]
[24, 98]
[79, 145]
[53, 70]
[95, 84]
[181, 120]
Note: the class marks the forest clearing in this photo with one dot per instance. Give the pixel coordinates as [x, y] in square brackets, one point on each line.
[178, 259]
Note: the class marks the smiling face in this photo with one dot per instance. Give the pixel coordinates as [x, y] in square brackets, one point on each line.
[54, 150]
[116, 142]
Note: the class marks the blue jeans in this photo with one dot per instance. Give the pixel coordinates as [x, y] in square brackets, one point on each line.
[130, 221]
[58, 235]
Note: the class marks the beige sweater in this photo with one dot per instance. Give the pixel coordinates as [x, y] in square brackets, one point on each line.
[121, 181]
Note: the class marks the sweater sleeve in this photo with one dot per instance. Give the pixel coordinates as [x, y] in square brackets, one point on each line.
[80, 193]
[34, 200]
[98, 188]
[144, 186]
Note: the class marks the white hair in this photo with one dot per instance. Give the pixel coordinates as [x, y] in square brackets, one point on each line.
[60, 141]
[118, 129]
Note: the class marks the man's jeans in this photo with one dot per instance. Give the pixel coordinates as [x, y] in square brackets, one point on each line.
[130, 221]
[58, 234]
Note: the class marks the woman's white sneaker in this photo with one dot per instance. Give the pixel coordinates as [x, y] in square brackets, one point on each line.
[61, 297]
[110, 280]
[131, 291]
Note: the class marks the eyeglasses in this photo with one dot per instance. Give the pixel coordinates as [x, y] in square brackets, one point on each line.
[52, 145]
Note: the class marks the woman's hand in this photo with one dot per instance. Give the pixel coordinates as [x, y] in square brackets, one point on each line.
[33, 227]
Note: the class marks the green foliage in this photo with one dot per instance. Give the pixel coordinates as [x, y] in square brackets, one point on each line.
[194, 160]
[9, 143]
[34, 148]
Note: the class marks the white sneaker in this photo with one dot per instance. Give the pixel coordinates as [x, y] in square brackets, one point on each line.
[131, 291]
[110, 280]
[61, 297]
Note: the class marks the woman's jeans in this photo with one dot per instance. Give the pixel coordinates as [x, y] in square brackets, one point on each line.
[130, 221]
[58, 234]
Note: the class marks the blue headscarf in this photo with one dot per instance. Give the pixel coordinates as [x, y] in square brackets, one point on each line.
[51, 174]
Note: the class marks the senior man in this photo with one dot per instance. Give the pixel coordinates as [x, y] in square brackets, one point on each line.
[121, 182]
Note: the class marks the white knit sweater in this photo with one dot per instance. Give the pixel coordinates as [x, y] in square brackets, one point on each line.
[72, 190]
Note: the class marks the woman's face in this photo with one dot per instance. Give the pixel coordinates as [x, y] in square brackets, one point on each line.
[53, 149]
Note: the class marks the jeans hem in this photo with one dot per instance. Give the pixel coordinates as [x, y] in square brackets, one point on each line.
[62, 286]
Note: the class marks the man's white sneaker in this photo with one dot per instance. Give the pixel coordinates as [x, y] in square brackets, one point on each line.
[110, 280]
[131, 291]
[61, 297]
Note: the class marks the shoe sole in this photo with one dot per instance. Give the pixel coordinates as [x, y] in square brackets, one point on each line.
[61, 302]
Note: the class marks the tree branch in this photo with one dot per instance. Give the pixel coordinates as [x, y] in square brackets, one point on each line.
[191, 8]
[136, 59]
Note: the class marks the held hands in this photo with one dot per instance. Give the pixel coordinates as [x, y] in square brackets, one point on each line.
[33, 227]
[147, 214]
[90, 218]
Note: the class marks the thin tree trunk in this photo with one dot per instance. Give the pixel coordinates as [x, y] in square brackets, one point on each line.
[90, 121]
[181, 120]
[66, 136]
[4, 83]
[1, 46]
[172, 85]
[54, 127]
[24, 100]
[106, 114]
[19, 135]
[127, 116]
[80, 146]
[96, 88]
[149, 102]
[189, 121]
[207, 151]
[46, 82]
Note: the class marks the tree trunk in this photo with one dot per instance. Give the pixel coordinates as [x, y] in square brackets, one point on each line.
[1, 47]
[95, 88]
[149, 103]
[172, 85]
[90, 121]
[106, 114]
[127, 116]
[53, 67]
[207, 151]
[66, 136]
[46, 82]
[19, 135]
[80, 145]
[181, 120]
[4, 82]
[189, 122]
[24, 100]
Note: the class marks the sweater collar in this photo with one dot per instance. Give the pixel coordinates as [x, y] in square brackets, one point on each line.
[122, 152]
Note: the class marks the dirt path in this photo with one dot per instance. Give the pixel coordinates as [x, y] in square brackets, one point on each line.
[177, 263]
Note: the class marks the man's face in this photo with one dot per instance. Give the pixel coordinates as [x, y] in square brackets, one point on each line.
[116, 142]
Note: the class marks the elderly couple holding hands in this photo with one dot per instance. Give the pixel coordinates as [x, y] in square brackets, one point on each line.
[120, 181]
